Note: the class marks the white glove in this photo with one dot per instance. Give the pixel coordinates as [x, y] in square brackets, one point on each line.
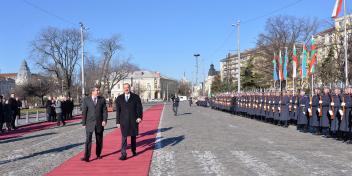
[295, 107]
[320, 102]
[309, 110]
[319, 110]
[341, 112]
[117, 125]
[279, 108]
[330, 112]
[138, 120]
[343, 104]
[332, 104]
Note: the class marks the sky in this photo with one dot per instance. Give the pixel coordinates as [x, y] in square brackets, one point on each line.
[158, 35]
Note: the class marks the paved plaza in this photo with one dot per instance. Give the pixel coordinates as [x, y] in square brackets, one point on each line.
[198, 141]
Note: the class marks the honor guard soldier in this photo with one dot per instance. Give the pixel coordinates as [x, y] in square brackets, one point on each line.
[302, 120]
[335, 112]
[284, 112]
[314, 114]
[346, 110]
[325, 118]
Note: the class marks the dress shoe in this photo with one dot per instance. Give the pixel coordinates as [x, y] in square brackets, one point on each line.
[85, 159]
[99, 157]
[134, 153]
[123, 158]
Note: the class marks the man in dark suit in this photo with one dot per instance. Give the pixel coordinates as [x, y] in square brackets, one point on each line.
[129, 113]
[94, 119]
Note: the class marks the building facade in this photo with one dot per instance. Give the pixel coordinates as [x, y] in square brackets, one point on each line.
[229, 65]
[148, 85]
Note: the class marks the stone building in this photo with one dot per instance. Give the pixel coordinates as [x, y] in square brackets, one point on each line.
[148, 84]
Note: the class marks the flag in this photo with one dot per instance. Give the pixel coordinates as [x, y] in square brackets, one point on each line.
[304, 62]
[275, 70]
[294, 63]
[313, 61]
[281, 76]
[337, 9]
[285, 65]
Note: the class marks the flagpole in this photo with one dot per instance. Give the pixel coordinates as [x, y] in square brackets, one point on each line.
[312, 84]
[293, 80]
[345, 42]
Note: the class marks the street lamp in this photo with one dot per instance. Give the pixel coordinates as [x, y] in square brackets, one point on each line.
[196, 55]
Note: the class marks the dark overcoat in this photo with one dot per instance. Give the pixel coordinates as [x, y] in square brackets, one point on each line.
[127, 114]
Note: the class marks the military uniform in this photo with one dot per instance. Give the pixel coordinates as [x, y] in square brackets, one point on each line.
[302, 120]
[325, 119]
[336, 104]
[346, 107]
[314, 119]
[285, 114]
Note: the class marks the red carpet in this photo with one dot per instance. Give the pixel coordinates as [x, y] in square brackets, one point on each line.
[110, 164]
[32, 127]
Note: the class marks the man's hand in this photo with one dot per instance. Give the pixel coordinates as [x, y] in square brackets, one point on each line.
[117, 125]
[138, 120]
[103, 123]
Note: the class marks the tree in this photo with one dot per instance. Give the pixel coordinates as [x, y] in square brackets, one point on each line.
[57, 51]
[108, 48]
[249, 78]
[281, 32]
[36, 88]
[184, 88]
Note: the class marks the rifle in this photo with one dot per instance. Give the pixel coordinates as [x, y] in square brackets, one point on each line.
[321, 106]
[343, 107]
[332, 108]
[310, 107]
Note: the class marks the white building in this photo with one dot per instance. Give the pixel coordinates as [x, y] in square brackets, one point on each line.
[148, 85]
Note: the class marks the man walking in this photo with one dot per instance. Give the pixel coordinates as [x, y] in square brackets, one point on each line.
[13, 114]
[94, 119]
[175, 103]
[129, 113]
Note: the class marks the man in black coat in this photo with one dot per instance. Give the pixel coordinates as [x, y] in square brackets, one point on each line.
[13, 106]
[175, 102]
[48, 106]
[129, 113]
[94, 119]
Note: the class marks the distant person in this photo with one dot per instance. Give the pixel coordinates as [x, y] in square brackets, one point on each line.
[59, 112]
[94, 119]
[175, 102]
[19, 107]
[190, 101]
[49, 112]
[8, 114]
[13, 107]
[129, 113]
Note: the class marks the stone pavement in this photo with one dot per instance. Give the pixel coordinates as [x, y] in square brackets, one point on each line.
[39, 152]
[199, 141]
[202, 141]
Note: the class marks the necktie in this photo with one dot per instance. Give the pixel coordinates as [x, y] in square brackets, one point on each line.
[126, 98]
[95, 100]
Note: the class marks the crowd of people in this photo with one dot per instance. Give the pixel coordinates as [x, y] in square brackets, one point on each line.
[10, 108]
[327, 114]
[59, 109]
